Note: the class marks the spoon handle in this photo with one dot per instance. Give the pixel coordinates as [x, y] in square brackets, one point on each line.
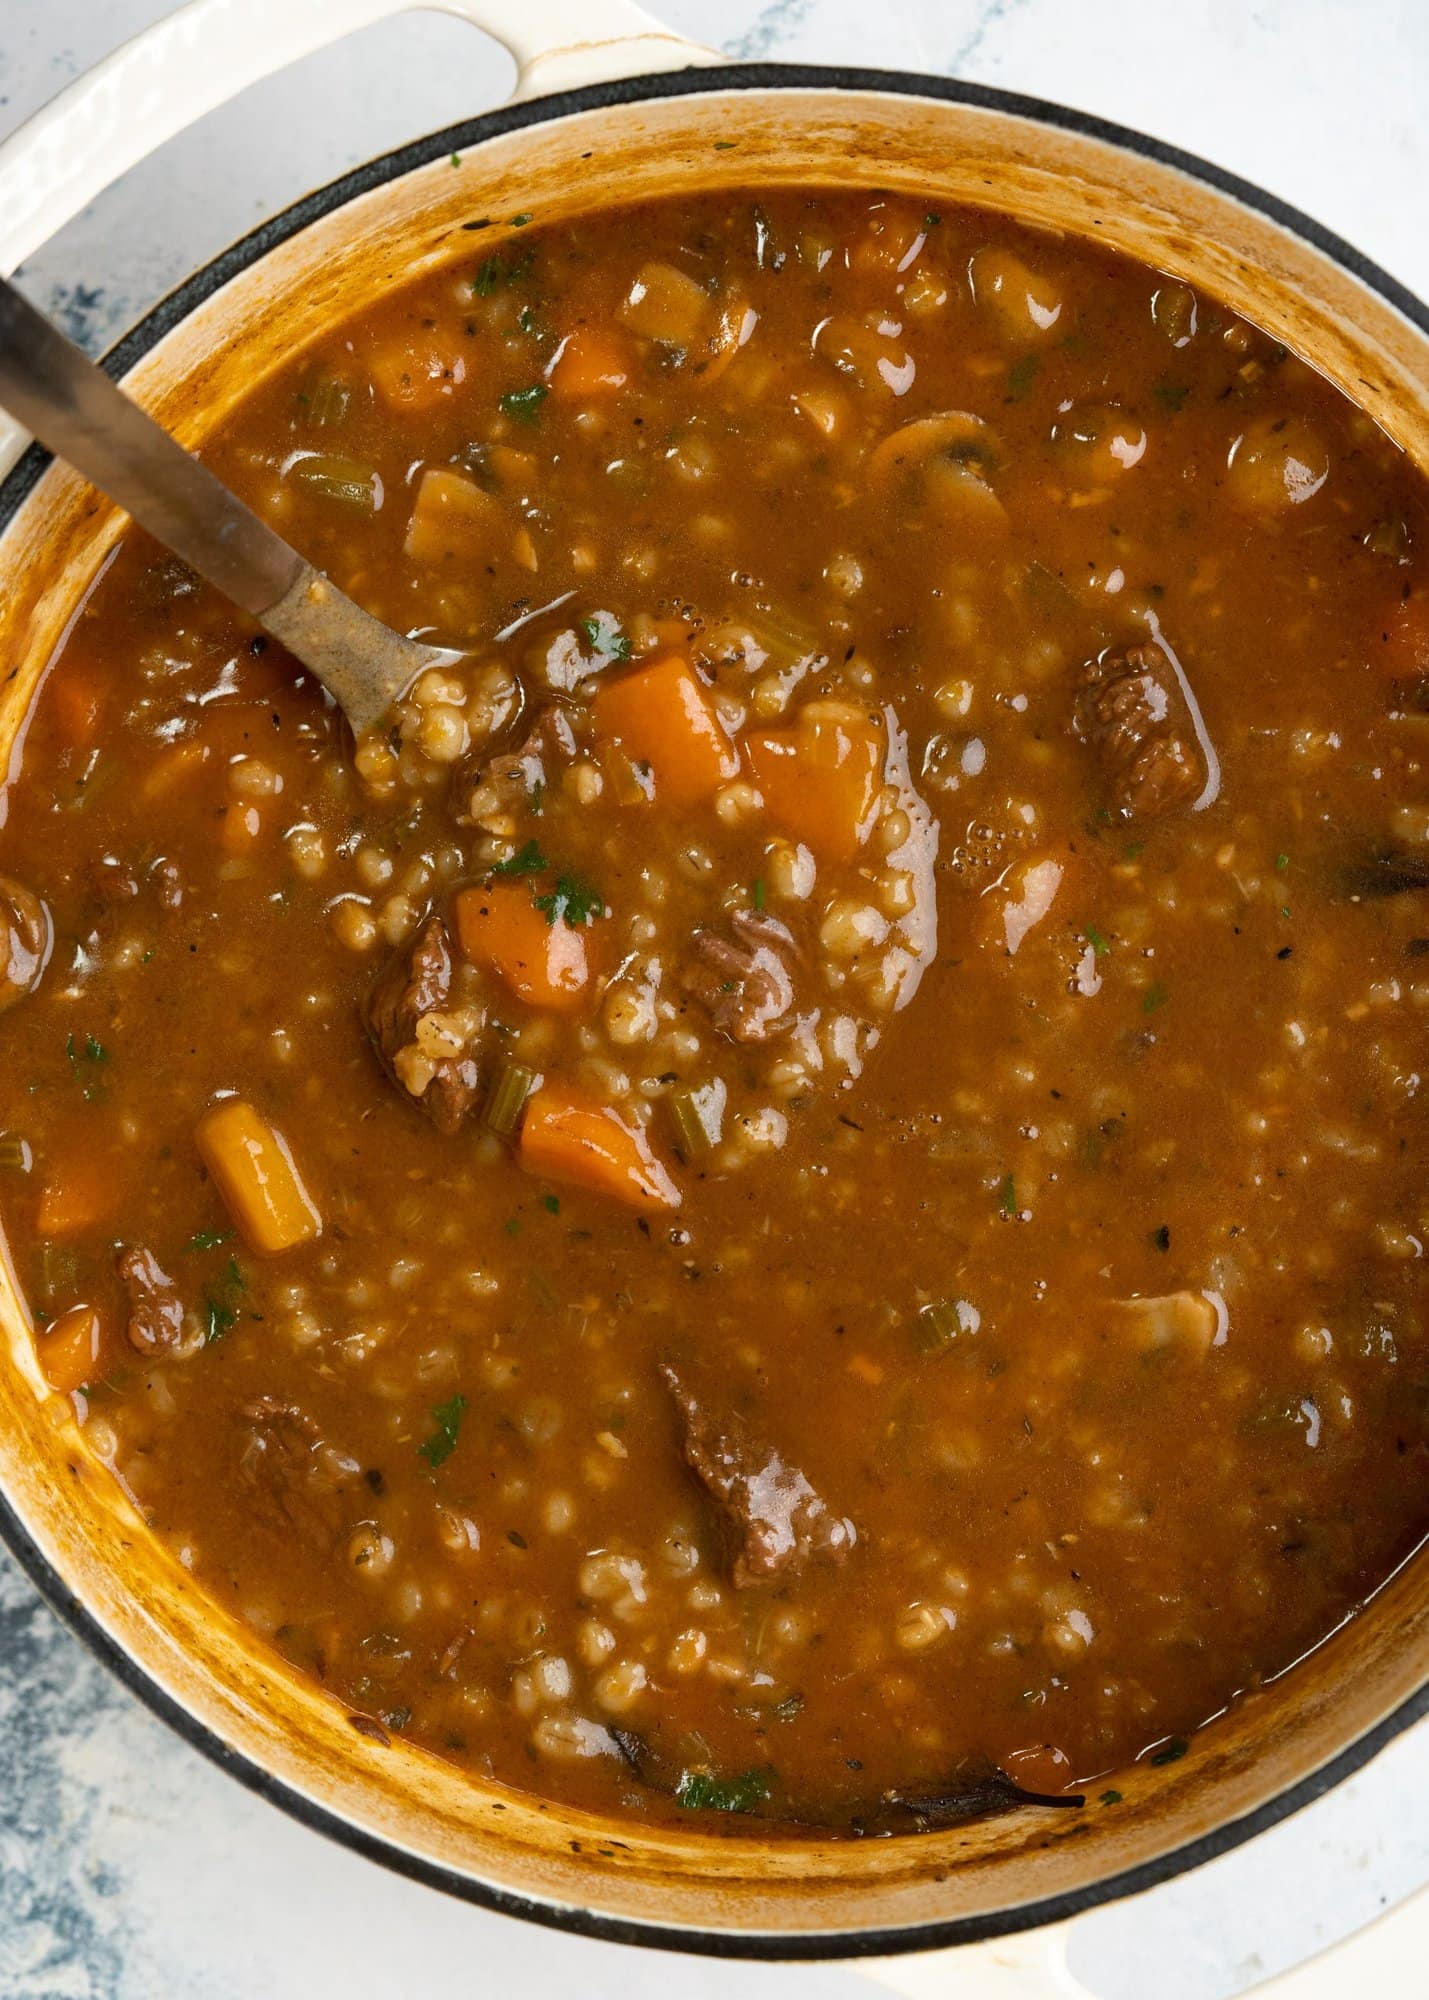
[74, 408]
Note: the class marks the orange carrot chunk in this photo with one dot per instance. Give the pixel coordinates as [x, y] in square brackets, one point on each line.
[68, 1349]
[661, 715]
[77, 701]
[588, 364]
[417, 370]
[453, 517]
[76, 1196]
[545, 964]
[820, 781]
[254, 1172]
[1402, 634]
[568, 1136]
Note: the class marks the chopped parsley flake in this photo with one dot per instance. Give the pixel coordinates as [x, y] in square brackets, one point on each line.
[756, 895]
[1100, 945]
[1172, 1752]
[1111, 1798]
[520, 221]
[551, 1203]
[739, 1794]
[525, 404]
[605, 637]
[529, 861]
[447, 1417]
[497, 271]
[84, 1058]
[220, 1306]
[1154, 997]
[207, 1239]
[1282, 862]
[572, 901]
[1007, 1195]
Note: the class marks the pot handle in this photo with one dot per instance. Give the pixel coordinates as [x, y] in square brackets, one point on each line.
[168, 76]
[1029, 1966]
[1387, 1957]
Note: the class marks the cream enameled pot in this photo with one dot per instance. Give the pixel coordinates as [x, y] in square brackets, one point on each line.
[636, 112]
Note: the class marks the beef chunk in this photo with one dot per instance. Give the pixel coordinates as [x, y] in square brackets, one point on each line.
[294, 1479]
[779, 1521]
[156, 1313]
[115, 883]
[113, 880]
[407, 1018]
[745, 983]
[1133, 714]
[483, 784]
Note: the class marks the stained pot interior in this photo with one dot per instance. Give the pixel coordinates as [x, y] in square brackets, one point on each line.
[76, 1515]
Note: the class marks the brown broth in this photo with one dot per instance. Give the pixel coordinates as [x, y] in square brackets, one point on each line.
[1081, 1280]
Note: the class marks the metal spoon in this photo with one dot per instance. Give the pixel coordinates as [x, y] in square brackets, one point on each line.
[71, 405]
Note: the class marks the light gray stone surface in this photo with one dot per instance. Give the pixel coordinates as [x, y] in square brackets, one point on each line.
[129, 1868]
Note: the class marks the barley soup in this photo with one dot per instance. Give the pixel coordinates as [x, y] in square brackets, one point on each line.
[802, 1194]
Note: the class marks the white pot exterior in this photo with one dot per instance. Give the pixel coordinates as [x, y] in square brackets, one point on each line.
[400, 1803]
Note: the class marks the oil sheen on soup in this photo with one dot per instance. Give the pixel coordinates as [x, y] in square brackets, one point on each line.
[799, 1196]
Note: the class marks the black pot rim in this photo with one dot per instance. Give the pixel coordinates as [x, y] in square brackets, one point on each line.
[770, 1946]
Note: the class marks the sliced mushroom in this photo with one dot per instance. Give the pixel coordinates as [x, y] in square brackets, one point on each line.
[1100, 441]
[1277, 463]
[944, 461]
[1023, 303]
[860, 348]
[26, 940]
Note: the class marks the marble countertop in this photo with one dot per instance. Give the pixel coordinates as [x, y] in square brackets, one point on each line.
[129, 1867]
